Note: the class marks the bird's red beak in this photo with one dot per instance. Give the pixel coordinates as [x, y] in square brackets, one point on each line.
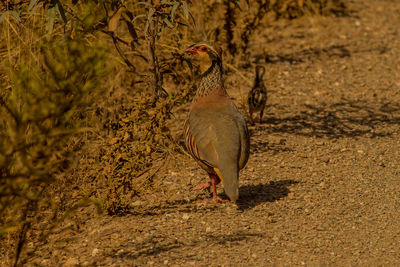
[191, 50]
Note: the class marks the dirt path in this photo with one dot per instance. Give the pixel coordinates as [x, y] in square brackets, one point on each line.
[322, 186]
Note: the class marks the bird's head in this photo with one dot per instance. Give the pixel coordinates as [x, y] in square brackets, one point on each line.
[205, 55]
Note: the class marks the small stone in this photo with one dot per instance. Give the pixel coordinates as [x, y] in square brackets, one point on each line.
[185, 217]
[137, 203]
[45, 262]
[95, 251]
[71, 262]
[166, 262]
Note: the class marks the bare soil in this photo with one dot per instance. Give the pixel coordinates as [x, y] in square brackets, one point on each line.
[322, 186]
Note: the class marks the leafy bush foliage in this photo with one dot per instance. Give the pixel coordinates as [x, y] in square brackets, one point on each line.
[45, 107]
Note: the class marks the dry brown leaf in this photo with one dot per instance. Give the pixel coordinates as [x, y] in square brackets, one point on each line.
[113, 23]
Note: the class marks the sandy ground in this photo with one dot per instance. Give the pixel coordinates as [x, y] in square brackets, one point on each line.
[322, 186]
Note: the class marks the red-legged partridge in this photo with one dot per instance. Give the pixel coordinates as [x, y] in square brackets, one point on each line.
[216, 134]
[258, 95]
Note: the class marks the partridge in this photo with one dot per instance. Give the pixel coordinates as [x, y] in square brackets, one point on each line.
[258, 95]
[216, 134]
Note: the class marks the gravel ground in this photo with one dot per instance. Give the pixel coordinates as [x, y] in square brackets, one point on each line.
[322, 184]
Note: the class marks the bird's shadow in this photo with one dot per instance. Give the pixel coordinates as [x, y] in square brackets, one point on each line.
[253, 195]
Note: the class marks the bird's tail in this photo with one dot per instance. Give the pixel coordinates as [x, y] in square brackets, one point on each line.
[230, 181]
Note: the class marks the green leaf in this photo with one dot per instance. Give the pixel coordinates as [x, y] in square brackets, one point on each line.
[149, 19]
[173, 10]
[32, 3]
[51, 14]
[144, 3]
[168, 23]
[4, 15]
[61, 11]
[138, 17]
[186, 10]
[236, 3]
[131, 29]
[15, 15]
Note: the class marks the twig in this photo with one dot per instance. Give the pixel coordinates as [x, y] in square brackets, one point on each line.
[126, 60]
[238, 72]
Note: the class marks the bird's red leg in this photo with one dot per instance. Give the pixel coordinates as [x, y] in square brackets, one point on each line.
[215, 181]
[205, 186]
[251, 118]
[261, 115]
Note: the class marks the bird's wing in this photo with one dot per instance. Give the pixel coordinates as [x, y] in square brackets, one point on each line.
[215, 134]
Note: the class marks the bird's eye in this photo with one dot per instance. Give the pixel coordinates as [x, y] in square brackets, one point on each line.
[203, 48]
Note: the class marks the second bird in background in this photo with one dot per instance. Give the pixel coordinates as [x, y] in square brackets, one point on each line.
[258, 95]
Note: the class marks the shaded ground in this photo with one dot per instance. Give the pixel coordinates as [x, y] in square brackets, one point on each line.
[322, 186]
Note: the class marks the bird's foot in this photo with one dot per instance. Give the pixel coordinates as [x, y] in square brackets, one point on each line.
[217, 199]
[205, 186]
